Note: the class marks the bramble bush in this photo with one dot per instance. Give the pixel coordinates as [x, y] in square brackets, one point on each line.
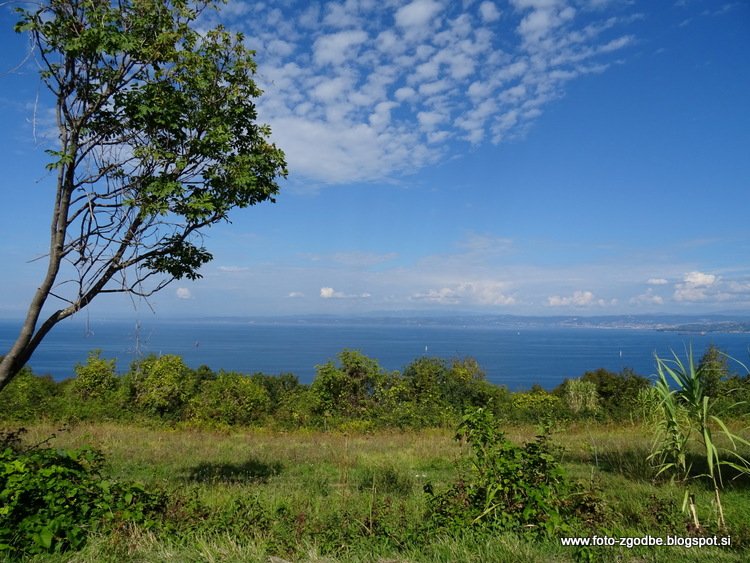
[51, 500]
[510, 488]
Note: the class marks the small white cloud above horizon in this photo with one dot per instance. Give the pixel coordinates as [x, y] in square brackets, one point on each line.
[699, 279]
[330, 293]
[183, 293]
[485, 293]
[697, 286]
[657, 281]
[578, 299]
[647, 298]
[489, 12]
[233, 269]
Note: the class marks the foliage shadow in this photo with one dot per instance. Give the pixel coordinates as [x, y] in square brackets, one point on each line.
[252, 470]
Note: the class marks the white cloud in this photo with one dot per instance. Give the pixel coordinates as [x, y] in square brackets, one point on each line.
[233, 269]
[444, 296]
[339, 16]
[647, 298]
[327, 292]
[338, 47]
[360, 101]
[417, 14]
[697, 286]
[657, 281]
[296, 295]
[578, 299]
[544, 18]
[487, 293]
[405, 93]
[183, 293]
[699, 279]
[430, 119]
[489, 12]
[330, 293]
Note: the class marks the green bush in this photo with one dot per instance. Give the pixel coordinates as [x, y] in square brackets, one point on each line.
[95, 379]
[537, 404]
[510, 488]
[295, 409]
[51, 500]
[231, 399]
[438, 392]
[27, 397]
[581, 397]
[352, 389]
[617, 392]
[159, 385]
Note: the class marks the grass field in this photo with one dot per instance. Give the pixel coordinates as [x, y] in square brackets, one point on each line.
[255, 495]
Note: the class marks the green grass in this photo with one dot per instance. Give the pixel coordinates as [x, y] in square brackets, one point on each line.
[315, 496]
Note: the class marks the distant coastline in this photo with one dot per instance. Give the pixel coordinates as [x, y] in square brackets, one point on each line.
[688, 324]
[729, 322]
[704, 328]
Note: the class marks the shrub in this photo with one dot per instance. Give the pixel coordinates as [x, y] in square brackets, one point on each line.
[159, 385]
[352, 389]
[27, 396]
[537, 405]
[52, 499]
[231, 399]
[511, 488]
[441, 391]
[617, 392]
[94, 379]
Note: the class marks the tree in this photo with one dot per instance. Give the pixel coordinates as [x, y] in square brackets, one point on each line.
[713, 368]
[96, 378]
[156, 140]
[160, 385]
[354, 388]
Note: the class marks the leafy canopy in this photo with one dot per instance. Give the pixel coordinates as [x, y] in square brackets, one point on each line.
[156, 139]
[161, 115]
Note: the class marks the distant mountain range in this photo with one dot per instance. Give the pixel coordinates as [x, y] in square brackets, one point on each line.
[663, 322]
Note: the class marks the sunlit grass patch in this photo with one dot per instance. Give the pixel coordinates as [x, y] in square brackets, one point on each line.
[329, 496]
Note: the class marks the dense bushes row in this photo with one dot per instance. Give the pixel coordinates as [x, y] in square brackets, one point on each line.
[352, 393]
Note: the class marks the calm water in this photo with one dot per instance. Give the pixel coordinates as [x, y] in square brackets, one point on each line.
[513, 358]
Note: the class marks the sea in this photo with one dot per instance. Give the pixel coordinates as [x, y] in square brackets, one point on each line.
[516, 358]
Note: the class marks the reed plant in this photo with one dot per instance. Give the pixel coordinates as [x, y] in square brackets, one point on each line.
[687, 417]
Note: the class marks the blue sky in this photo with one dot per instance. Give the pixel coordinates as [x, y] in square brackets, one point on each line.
[536, 157]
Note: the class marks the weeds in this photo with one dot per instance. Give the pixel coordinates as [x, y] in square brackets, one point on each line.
[511, 488]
